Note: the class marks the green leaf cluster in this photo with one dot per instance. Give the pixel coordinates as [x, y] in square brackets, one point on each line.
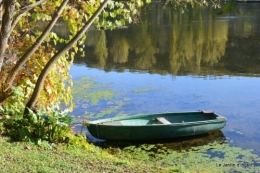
[15, 104]
[39, 127]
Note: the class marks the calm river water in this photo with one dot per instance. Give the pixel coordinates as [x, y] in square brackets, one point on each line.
[180, 62]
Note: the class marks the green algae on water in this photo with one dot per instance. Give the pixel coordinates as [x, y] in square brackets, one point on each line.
[85, 89]
[203, 159]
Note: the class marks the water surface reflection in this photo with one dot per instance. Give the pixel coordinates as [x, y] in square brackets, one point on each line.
[168, 42]
[181, 143]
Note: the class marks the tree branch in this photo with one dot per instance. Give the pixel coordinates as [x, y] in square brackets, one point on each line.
[24, 10]
[49, 65]
[35, 46]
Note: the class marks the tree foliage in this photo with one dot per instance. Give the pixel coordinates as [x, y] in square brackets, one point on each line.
[30, 61]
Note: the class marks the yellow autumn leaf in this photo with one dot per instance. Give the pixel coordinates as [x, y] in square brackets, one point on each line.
[49, 91]
[73, 13]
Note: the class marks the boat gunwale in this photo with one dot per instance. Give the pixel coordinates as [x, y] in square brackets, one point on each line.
[218, 119]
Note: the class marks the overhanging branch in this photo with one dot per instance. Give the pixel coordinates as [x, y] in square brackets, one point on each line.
[24, 10]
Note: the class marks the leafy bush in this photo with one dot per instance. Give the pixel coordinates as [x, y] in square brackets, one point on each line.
[14, 105]
[39, 126]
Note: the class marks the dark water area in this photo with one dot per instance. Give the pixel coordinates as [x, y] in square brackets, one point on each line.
[173, 61]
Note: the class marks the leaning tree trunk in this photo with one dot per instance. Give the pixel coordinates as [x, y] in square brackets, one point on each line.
[7, 10]
[1, 12]
[6, 25]
[40, 82]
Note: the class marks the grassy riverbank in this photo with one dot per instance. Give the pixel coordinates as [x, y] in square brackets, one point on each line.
[85, 157]
[28, 157]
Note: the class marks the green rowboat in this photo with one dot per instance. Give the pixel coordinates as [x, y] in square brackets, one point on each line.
[156, 126]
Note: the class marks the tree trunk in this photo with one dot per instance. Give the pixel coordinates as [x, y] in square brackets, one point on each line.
[39, 84]
[7, 19]
[1, 12]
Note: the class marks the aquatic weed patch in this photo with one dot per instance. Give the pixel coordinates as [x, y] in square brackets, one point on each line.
[86, 90]
[145, 90]
[196, 159]
[95, 100]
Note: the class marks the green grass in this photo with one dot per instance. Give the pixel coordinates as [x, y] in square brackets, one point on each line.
[28, 157]
[86, 157]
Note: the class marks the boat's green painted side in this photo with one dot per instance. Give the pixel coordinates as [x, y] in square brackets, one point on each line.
[147, 127]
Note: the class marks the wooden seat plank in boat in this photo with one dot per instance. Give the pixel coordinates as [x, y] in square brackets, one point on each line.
[163, 120]
[112, 123]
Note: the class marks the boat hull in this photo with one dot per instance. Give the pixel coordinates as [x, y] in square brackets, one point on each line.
[148, 127]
